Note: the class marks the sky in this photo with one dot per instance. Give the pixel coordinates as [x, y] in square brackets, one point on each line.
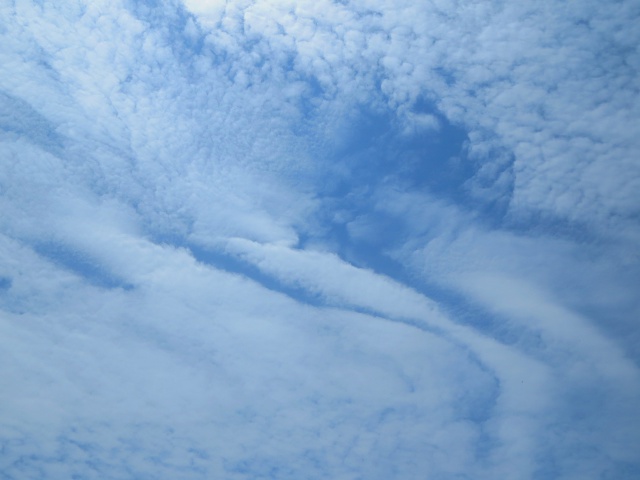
[348, 240]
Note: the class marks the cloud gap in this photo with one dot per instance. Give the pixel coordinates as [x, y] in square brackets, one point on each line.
[81, 264]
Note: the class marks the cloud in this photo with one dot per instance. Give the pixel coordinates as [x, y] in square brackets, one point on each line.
[492, 70]
[318, 239]
[239, 374]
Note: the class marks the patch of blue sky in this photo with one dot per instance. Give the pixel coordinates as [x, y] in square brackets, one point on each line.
[5, 283]
[81, 264]
[18, 119]
[376, 152]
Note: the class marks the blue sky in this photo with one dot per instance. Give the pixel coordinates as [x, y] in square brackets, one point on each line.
[258, 239]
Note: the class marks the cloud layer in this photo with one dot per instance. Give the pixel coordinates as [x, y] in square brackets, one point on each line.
[259, 239]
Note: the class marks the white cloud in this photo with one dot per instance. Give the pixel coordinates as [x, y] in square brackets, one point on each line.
[494, 70]
[211, 11]
[131, 134]
[230, 364]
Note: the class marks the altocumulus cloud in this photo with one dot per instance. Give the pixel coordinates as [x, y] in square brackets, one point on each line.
[351, 240]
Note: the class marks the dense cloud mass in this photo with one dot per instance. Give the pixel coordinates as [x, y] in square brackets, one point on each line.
[274, 239]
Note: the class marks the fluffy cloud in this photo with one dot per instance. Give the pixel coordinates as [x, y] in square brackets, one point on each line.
[551, 84]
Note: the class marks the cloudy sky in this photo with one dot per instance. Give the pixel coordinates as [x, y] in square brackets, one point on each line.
[316, 239]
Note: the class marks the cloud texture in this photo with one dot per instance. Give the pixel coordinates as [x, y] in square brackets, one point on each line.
[350, 240]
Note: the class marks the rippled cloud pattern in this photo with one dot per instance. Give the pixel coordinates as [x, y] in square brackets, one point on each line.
[276, 239]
